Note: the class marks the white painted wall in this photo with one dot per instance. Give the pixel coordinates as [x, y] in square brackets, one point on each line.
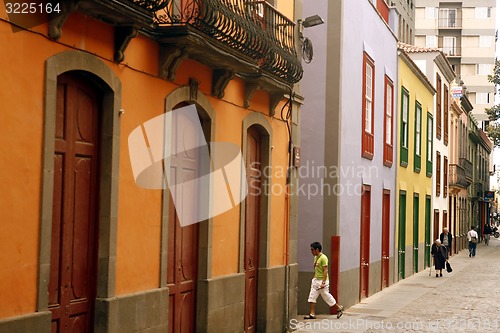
[363, 30]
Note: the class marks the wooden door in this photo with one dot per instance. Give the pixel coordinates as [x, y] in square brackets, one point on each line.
[402, 235]
[182, 260]
[453, 228]
[386, 222]
[72, 282]
[252, 212]
[365, 242]
[427, 254]
[436, 225]
[416, 208]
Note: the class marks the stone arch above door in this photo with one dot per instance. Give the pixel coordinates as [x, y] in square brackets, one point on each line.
[260, 121]
[106, 80]
[190, 95]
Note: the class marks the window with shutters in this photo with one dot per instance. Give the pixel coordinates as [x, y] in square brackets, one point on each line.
[388, 116]
[403, 145]
[368, 107]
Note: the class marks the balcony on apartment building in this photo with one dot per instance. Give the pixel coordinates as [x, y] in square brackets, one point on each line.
[466, 165]
[456, 177]
[247, 38]
[450, 45]
[450, 18]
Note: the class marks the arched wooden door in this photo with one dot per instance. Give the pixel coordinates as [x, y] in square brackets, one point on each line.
[74, 218]
[252, 213]
[182, 264]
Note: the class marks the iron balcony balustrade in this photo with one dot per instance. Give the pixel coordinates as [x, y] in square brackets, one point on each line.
[450, 18]
[467, 166]
[457, 177]
[245, 38]
[249, 37]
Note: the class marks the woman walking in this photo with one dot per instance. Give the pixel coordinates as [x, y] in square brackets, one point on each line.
[440, 254]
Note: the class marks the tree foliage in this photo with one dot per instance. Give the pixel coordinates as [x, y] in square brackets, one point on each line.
[494, 112]
[493, 131]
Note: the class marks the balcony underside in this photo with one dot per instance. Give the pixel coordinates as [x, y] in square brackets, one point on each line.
[247, 39]
[180, 42]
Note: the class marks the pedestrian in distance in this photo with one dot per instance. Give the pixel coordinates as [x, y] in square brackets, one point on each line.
[440, 254]
[320, 284]
[446, 239]
[487, 234]
[472, 237]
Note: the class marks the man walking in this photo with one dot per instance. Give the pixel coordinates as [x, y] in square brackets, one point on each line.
[320, 284]
[446, 239]
[472, 237]
[487, 234]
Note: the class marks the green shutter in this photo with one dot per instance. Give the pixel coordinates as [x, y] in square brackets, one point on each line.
[429, 145]
[418, 141]
[403, 144]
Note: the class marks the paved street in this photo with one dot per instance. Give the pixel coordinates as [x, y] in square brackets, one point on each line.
[465, 300]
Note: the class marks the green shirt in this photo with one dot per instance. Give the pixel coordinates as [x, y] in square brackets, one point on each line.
[320, 262]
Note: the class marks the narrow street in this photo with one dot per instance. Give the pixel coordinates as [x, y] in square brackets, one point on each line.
[465, 300]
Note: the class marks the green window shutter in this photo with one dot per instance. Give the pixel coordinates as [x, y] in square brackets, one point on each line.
[405, 107]
[429, 146]
[417, 152]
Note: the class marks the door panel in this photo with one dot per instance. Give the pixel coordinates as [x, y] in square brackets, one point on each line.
[436, 225]
[386, 221]
[365, 242]
[74, 219]
[182, 264]
[416, 208]
[402, 235]
[427, 258]
[252, 212]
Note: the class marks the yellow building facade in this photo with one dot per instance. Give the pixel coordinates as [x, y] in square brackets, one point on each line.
[414, 174]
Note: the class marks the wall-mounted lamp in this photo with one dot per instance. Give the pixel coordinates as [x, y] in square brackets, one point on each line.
[312, 21]
[307, 48]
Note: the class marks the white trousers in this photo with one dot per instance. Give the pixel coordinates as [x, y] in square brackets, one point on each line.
[316, 290]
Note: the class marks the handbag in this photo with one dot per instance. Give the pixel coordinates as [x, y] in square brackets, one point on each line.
[448, 267]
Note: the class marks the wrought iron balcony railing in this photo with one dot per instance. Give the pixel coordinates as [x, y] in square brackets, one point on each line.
[467, 166]
[457, 176]
[450, 18]
[254, 29]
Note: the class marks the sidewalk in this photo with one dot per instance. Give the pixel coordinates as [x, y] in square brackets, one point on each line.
[460, 301]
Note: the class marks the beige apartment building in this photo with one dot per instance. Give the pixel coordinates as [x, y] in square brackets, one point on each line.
[406, 15]
[465, 31]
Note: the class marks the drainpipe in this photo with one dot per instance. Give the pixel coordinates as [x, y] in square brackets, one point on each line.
[289, 188]
[287, 254]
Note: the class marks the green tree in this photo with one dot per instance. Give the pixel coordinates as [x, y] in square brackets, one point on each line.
[494, 112]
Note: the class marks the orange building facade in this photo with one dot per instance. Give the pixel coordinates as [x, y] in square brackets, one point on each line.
[84, 248]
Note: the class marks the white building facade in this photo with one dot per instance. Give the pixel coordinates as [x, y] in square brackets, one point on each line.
[348, 133]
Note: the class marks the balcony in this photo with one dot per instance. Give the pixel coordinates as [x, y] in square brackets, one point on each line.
[457, 177]
[450, 45]
[245, 38]
[466, 165]
[450, 18]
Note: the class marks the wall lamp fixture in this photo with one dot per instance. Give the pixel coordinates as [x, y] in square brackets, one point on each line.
[312, 21]
[306, 44]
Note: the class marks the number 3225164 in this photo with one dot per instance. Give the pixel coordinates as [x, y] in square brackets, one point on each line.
[32, 8]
